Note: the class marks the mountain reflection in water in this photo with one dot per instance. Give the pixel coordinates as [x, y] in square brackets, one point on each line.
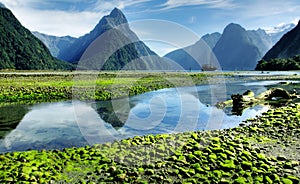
[74, 123]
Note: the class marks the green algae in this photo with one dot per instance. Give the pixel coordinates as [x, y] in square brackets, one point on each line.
[229, 156]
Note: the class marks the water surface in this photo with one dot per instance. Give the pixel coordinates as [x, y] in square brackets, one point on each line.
[74, 123]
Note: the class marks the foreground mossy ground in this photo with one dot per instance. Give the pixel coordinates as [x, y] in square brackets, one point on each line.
[265, 151]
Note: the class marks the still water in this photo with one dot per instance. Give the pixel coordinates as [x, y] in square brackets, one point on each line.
[74, 123]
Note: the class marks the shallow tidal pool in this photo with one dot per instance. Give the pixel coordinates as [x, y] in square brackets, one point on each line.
[74, 123]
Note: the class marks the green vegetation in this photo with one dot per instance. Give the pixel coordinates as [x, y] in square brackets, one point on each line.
[20, 50]
[48, 86]
[279, 64]
[264, 152]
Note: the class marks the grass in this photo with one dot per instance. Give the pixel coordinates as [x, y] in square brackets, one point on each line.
[47, 86]
[35, 87]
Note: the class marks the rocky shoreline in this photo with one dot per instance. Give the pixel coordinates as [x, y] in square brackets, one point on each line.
[264, 151]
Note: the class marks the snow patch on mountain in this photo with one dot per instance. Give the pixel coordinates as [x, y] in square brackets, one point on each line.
[280, 28]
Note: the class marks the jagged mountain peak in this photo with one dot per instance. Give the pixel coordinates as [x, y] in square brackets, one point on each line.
[237, 49]
[287, 46]
[233, 27]
[113, 42]
[211, 39]
[277, 32]
[211, 34]
[261, 31]
[115, 18]
[75, 51]
[117, 13]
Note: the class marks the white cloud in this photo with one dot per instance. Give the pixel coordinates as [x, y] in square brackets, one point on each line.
[296, 20]
[121, 4]
[211, 3]
[58, 23]
[253, 14]
[263, 8]
[43, 16]
[33, 15]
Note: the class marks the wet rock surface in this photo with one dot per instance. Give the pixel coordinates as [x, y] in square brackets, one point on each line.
[275, 97]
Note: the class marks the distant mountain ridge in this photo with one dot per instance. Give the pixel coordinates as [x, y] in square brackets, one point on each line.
[211, 39]
[287, 47]
[75, 51]
[236, 48]
[115, 24]
[239, 49]
[277, 32]
[193, 57]
[280, 28]
[55, 44]
[20, 49]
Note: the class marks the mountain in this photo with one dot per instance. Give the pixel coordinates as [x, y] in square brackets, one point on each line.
[261, 40]
[239, 49]
[111, 45]
[211, 39]
[55, 44]
[236, 48]
[287, 47]
[195, 56]
[277, 32]
[20, 49]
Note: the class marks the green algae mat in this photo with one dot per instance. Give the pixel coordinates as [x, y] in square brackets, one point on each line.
[265, 150]
[36, 87]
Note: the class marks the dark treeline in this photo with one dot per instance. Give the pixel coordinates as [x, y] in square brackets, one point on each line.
[279, 64]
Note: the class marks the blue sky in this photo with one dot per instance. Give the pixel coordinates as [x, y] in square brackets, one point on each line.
[78, 17]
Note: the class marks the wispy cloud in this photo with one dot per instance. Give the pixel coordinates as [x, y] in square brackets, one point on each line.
[265, 13]
[78, 17]
[263, 8]
[64, 17]
[170, 4]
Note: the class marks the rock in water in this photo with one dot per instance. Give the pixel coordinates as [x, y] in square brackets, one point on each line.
[275, 93]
